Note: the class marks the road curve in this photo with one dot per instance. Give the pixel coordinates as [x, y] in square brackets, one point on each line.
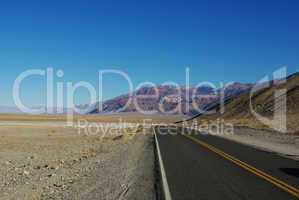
[207, 167]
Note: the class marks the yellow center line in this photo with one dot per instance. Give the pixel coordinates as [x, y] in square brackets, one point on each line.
[282, 185]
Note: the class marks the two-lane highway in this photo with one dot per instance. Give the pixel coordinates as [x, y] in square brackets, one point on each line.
[207, 167]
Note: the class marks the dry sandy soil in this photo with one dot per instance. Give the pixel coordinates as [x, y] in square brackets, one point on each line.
[51, 161]
[123, 117]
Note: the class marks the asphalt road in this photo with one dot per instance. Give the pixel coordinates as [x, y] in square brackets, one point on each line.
[195, 171]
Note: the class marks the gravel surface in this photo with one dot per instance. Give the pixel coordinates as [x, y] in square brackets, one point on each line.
[286, 145]
[48, 162]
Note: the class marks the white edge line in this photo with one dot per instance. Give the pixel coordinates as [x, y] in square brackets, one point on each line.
[162, 170]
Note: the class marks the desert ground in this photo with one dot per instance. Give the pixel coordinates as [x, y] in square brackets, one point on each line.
[120, 117]
[42, 158]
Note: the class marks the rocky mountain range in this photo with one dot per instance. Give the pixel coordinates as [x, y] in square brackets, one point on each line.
[169, 99]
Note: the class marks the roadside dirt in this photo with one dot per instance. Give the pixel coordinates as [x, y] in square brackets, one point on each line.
[51, 162]
[284, 144]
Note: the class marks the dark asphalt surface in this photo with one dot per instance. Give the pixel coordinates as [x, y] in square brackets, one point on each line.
[194, 172]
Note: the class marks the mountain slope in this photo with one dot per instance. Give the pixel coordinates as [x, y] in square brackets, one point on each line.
[242, 109]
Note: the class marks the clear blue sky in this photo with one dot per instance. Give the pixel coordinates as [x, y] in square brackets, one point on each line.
[150, 40]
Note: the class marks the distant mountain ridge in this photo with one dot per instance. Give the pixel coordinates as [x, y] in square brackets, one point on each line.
[16, 110]
[165, 98]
